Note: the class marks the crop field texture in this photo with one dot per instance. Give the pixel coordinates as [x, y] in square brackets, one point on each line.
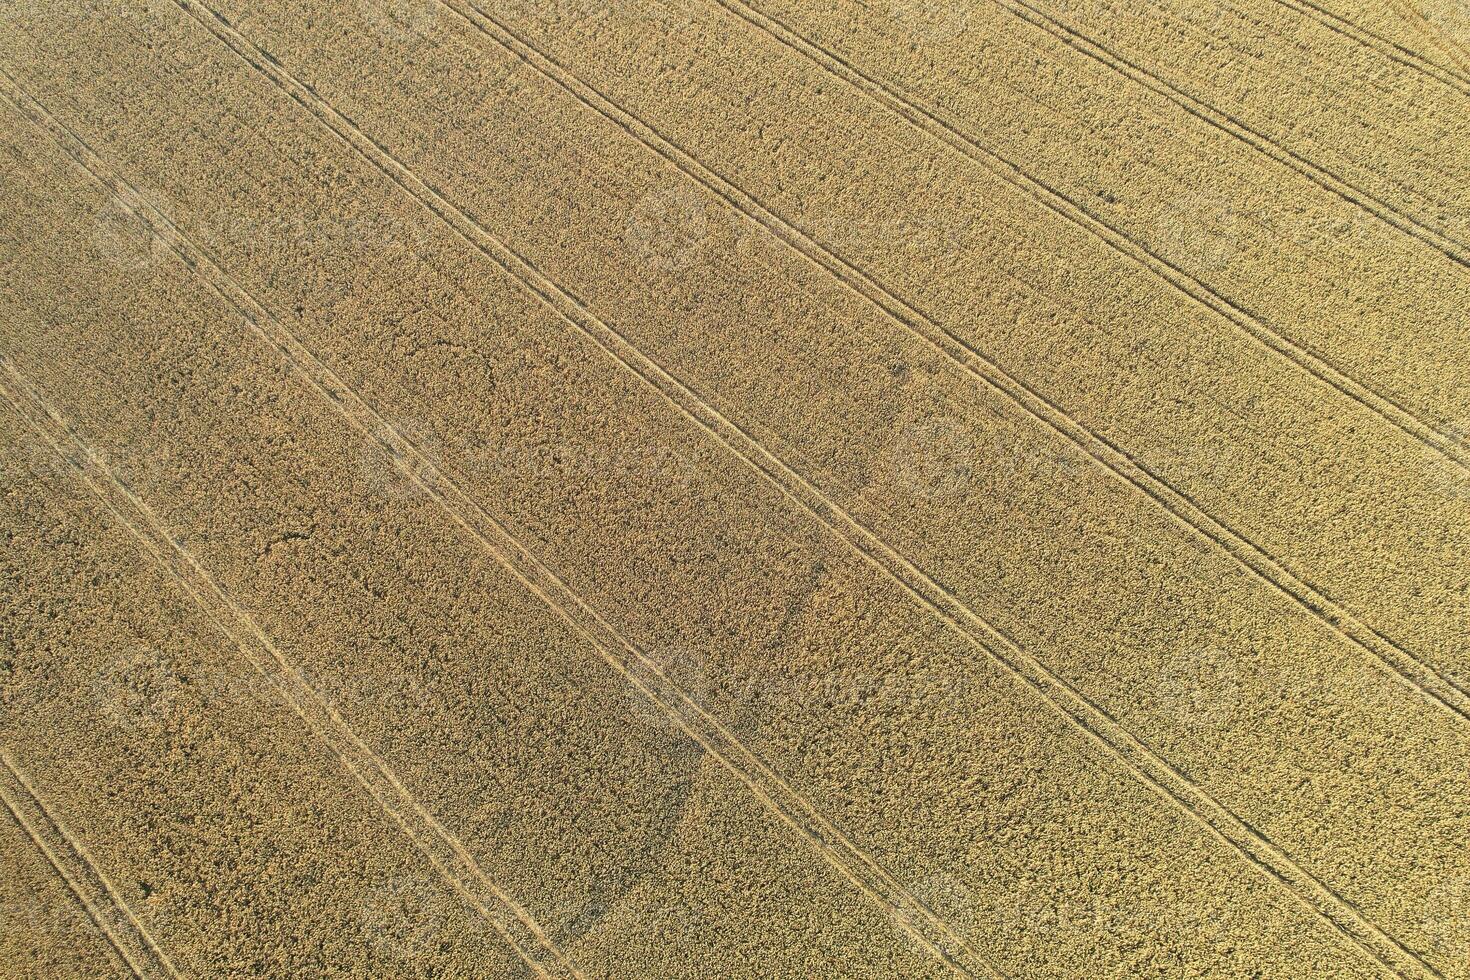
[662, 489]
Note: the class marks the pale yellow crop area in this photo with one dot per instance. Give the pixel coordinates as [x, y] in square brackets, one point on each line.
[663, 489]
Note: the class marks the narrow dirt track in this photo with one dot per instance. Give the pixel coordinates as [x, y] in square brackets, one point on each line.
[732, 488]
[53, 923]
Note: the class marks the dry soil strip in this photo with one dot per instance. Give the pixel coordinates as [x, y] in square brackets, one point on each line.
[1152, 770]
[1183, 509]
[1391, 50]
[1226, 123]
[143, 956]
[945, 128]
[637, 669]
[369, 768]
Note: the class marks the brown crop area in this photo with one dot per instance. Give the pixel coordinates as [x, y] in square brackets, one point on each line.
[645, 489]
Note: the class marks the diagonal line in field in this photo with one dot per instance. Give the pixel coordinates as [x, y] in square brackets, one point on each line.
[948, 130]
[1445, 75]
[83, 878]
[1029, 13]
[633, 665]
[370, 769]
[1149, 768]
[1098, 449]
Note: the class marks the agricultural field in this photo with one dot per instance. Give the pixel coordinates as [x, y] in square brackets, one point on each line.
[663, 489]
